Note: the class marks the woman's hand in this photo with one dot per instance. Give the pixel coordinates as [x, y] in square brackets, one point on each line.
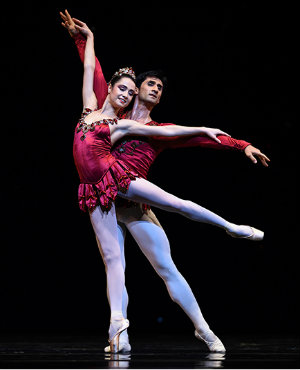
[251, 152]
[83, 28]
[213, 132]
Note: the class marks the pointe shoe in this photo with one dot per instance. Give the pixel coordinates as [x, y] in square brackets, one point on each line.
[123, 347]
[215, 346]
[255, 235]
[114, 342]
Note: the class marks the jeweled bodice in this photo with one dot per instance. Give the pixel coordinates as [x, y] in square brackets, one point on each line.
[91, 148]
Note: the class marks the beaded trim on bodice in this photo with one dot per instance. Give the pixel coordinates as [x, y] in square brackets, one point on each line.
[85, 127]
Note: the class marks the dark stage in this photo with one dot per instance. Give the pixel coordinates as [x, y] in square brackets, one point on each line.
[228, 66]
[160, 351]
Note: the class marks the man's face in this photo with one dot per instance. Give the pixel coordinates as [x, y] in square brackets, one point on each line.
[150, 90]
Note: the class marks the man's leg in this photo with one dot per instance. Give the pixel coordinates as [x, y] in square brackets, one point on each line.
[152, 240]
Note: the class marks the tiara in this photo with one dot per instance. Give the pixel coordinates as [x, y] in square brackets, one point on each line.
[124, 71]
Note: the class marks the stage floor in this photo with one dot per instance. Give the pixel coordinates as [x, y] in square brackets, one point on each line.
[156, 352]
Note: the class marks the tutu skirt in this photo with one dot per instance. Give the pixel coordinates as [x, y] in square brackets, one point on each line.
[117, 178]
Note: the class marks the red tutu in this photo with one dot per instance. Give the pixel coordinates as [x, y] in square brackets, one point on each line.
[105, 191]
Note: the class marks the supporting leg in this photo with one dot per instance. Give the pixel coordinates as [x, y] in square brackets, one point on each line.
[105, 228]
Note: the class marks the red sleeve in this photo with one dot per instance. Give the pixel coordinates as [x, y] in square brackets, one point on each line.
[100, 85]
[227, 142]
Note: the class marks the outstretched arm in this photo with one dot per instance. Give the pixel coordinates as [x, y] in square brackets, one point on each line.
[225, 142]
[100, 85]
[130, 127]
[172, 130]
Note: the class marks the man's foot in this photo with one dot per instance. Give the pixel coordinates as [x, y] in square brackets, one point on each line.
[211, 340]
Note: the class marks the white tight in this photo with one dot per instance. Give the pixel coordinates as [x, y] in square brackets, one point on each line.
[143, 191]
[106, 230]
[155, 246]
[153, 242]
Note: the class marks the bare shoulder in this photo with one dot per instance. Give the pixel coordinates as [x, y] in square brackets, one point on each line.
[127, 123]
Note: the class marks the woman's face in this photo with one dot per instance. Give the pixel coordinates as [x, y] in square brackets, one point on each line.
[122, 92]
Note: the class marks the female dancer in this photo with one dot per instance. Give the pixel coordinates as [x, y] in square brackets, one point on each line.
[103, 178]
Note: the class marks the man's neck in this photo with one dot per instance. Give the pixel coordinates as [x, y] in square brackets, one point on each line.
[140, 112]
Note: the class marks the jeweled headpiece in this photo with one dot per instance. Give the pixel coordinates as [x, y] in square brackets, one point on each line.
[125, 71]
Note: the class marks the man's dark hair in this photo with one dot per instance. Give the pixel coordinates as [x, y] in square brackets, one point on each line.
[155, 73]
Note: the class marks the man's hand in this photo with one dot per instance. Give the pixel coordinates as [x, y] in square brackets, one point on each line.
[68, 23]
[74, 25]
[251, 152]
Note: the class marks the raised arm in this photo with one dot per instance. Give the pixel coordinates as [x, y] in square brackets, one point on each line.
[100, 85]
[88, 95]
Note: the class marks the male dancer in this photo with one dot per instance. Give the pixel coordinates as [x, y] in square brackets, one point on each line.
[142, 223]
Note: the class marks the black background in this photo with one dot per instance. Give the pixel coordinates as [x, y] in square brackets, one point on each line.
[228, 66]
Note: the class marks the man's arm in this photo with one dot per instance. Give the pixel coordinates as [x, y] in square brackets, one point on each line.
[226, 142]
[100, 85]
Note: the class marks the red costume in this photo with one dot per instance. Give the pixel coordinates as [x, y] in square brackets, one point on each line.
[101, 174]
[139, 154]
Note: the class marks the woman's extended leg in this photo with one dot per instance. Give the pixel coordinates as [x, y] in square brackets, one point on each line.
[143, 191]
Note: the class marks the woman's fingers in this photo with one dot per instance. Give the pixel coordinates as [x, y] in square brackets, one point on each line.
[223, 133]
[79, 28]
[77, 21]
[214, 137]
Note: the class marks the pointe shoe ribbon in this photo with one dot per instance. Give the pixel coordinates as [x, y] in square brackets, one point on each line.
[114, 342]
[215, 346]
[256, 235]
[123, 347]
